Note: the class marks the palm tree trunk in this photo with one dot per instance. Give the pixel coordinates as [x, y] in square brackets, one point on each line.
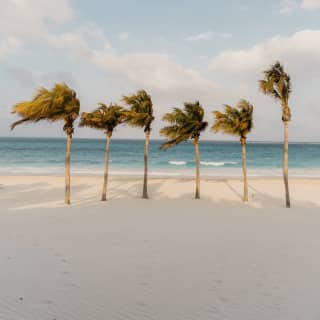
[285, 162]
[196, 146]
[244, 169]
[67, 169]
[106, 167]
[145, 178]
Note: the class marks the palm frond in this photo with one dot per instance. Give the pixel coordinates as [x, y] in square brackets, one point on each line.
[59, 103]
[140, 113]
[237, 121]
[276, 83]
[184, 124]
[103, 118]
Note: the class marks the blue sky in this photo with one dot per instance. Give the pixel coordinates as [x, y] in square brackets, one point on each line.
[213, 51]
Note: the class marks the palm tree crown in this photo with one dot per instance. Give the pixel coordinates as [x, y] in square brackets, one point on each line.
[141, 110]
[277, 84]
[234, 121]
[103, 118]
[59, 103]
[184, 124]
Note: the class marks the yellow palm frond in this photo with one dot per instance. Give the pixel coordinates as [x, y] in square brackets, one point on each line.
[59, 103]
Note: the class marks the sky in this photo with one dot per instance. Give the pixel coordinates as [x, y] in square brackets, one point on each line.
[213, 51]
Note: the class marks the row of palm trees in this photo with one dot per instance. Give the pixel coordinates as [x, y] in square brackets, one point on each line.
[61, 104]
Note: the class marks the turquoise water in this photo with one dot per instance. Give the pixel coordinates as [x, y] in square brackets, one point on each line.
[46, 156]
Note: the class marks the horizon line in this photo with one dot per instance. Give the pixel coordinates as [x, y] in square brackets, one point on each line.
[159, 139]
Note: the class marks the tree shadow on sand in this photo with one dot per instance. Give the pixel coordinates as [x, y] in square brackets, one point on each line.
[262, 200]
[45, 195]
[36, 195]
[234, 190]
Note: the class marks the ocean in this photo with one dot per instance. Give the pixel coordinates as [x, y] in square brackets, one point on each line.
[45, 156]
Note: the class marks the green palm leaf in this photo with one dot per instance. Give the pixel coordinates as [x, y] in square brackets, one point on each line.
[184, 124]
[277, 84]
[237, 121]
[140, 113]
[103, 118]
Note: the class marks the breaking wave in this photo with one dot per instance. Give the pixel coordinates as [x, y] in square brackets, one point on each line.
[216, 164]
[178, 163]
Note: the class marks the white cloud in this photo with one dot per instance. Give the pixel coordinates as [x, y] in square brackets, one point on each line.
[22, 20]
[70, 41]
[123, 36]
[149, 70]
[79, 43]
[8, 45]
[31, 17]
[152, 70]
[90, 44]
[310, 4]
[207, 36]
[301, 51]
[289, 6]
[200, 36]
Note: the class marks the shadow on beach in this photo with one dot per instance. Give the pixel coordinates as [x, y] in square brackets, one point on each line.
[48, 192]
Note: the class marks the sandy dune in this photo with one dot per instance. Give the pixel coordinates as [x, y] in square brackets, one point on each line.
[166, 258]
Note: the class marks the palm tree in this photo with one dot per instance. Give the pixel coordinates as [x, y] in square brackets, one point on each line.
[277, 84]
[104, 118]
[141, 115]
[184, 125]
[58, 104]
[238, 122]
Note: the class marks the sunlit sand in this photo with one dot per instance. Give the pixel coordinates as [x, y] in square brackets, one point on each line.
[170, 257]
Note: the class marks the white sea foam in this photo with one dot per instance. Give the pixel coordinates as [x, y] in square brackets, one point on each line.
[179, 170]
[178, 163]
[216, 164]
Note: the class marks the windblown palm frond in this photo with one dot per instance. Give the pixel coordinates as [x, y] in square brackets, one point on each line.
[276, 83]
[236, 121]
[60, 103]
[183, 124]
[103, 118]
[140, 113]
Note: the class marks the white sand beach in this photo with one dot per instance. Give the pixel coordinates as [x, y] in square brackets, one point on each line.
[27, 192]
[170, 257]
